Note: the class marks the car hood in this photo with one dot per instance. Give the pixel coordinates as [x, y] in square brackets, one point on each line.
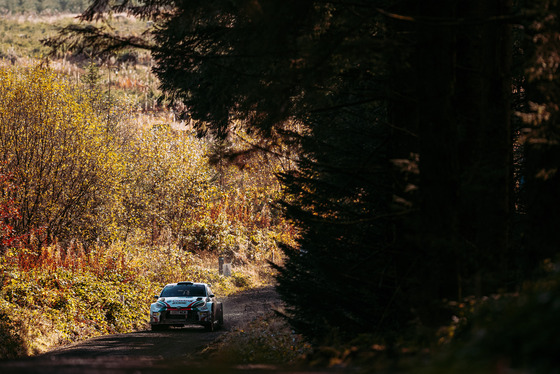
[189, 303]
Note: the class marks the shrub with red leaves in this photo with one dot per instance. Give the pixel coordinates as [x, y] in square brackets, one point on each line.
[8, 209]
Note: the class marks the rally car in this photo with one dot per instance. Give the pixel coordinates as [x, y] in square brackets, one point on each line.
[186, 303]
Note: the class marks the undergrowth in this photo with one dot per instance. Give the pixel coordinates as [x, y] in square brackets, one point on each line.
[515, 332]
[268, 340]
[61, 295]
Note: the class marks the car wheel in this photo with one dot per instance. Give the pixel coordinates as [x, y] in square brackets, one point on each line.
[221, 316]
[210, 325]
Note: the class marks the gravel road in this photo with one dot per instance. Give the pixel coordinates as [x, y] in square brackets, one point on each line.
[147, 351]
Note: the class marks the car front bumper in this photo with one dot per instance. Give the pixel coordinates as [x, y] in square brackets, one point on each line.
[172, 317]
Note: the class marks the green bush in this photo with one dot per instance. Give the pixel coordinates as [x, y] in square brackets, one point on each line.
[241, 280]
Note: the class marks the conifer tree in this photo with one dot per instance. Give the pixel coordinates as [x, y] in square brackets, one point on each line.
[400, 117]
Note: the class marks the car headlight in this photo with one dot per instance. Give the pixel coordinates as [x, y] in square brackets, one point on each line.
[159, 306]
[198, 304]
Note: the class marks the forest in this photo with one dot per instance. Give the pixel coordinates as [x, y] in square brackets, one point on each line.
[402, 157]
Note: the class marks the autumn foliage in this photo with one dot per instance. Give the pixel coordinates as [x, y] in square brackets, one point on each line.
[8, 210]
[80, 173]
[97, 203]
[57, 150]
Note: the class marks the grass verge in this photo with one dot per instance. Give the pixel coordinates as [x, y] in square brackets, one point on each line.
[266, 342]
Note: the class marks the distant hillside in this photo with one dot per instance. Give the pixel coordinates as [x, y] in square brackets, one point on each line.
[42, 6]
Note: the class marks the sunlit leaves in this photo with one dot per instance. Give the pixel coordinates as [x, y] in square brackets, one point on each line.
[82, 175]
[167, 183]
[57, 148]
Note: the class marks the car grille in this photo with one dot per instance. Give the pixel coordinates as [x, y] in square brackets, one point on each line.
[174, 316]
[191, 316]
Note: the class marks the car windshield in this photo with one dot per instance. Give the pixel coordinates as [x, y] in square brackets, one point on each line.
[184, 290]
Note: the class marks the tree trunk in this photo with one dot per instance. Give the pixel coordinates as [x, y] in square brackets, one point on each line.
[463, 87]
[484, 108]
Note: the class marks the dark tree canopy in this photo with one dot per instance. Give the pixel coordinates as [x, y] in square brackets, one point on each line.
[407, 190]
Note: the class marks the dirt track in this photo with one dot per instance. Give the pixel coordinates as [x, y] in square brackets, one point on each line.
[147, 351]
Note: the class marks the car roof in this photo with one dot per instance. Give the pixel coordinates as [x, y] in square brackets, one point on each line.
[186, 282]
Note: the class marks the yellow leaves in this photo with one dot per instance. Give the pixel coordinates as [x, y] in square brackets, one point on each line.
[55, 144]
[84, 176]
[165, 181]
